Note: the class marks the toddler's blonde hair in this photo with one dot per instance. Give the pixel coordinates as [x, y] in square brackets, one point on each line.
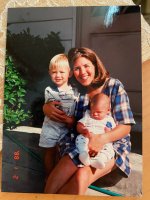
[60, 60]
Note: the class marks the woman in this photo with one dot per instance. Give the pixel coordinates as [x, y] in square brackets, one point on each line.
[91, 78]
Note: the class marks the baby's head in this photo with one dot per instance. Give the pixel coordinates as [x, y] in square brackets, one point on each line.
[99, 106]
[59, 70]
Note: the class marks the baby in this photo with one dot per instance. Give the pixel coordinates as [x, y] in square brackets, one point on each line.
[96, 121]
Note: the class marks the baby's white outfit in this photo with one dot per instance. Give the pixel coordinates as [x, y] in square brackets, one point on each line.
[96, 127]
[53, 131]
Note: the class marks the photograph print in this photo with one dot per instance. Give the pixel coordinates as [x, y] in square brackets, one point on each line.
[73, 101]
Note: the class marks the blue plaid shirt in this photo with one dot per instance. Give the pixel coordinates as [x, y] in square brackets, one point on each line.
[122, 114]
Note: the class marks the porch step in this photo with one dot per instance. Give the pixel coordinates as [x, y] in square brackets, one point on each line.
[131, 186]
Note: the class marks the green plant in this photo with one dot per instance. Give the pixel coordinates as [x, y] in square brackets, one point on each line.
[14, 93]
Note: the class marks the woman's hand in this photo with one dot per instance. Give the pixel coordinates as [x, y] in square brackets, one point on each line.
[50, 110]
[96, 143]
[70, 121]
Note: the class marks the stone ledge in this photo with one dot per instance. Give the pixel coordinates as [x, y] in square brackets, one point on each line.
[27, 129]
[131, 186]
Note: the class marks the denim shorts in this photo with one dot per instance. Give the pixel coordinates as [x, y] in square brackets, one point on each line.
[51, 133]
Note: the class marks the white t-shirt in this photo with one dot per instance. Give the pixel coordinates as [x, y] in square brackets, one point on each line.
[97, 126]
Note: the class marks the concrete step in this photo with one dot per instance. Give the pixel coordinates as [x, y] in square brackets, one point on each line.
[131, 186]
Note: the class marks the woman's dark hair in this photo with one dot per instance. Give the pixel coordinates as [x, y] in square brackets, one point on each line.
[100, 72]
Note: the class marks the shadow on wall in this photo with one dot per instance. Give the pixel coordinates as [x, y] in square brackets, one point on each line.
[37, 112]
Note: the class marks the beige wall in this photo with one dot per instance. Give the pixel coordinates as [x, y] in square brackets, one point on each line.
[147, 7]
[119, 47]
[43, 22]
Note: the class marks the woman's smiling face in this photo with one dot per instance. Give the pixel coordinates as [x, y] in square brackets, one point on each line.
[84, 71]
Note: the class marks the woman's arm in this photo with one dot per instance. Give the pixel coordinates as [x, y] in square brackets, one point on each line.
[70, 121]
[117, 133]
[50, 110]
[97, 141]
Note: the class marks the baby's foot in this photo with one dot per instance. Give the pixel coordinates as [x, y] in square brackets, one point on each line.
[84, 158]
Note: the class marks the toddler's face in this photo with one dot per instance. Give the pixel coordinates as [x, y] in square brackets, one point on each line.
[60, 75]
[99, 111]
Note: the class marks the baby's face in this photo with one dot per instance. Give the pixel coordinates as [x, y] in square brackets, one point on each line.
[60, 75]
[99, 111]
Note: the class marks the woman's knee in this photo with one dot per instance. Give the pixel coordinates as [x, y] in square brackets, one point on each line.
[82, 177]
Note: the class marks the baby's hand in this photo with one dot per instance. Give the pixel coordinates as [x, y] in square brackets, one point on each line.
[83, 130]
[87, 133]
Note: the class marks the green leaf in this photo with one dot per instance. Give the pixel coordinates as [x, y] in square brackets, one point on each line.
[14, 96]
